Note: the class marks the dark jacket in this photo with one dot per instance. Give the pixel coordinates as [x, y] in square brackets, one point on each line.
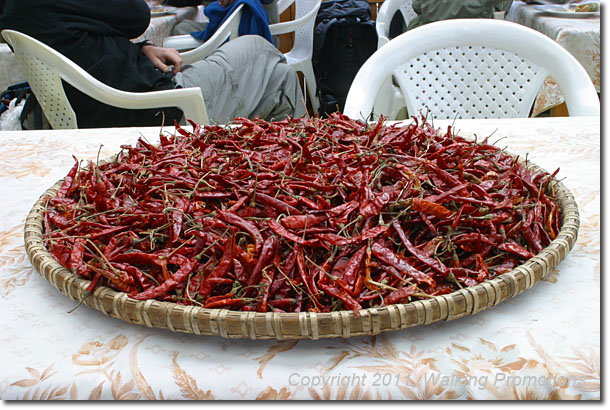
[96, 34]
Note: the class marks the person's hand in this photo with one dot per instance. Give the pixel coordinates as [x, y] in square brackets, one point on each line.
[162, 58]
[225, 3]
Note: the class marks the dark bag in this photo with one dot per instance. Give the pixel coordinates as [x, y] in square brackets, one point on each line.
[344, 38]
[16, 91]
[29, 115]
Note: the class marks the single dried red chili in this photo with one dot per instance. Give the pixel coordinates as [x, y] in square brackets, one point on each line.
[430, 208]
[399, 295]
[399, 262]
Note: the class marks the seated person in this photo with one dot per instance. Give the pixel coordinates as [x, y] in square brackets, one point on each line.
[437, 10]
[245, 77]
[189, 26]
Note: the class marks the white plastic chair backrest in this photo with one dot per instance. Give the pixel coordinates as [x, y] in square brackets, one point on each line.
[302, 26]
[282, 5]
[229, 30]
[44, 69]
[385, 15]
[472, 68]
[43, 79]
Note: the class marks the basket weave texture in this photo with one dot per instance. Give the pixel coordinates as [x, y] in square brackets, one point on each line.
[305, 325]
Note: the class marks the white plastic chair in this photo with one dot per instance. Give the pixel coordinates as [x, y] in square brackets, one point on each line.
[198, 50]
[299, 57]
[385, 15]
[393, 107]
[472, 68]
[44, 69]
[282, 5]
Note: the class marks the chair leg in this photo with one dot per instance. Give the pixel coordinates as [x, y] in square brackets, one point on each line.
[310, 85]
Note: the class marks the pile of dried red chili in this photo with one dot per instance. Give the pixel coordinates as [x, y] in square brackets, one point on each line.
[300, 215]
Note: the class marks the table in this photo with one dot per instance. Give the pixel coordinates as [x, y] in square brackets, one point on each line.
[545, 343]
[580, 36]
[161, 26]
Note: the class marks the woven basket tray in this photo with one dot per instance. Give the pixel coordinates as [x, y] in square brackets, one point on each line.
[304, 325]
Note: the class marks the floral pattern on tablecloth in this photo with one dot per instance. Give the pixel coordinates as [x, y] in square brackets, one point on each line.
[543, 344]
[580, 36]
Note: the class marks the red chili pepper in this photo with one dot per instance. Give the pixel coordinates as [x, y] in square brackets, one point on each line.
[515, 249]
[283, 303]
[421, 256]
[224, 303]
[266, 257]
[114, 279]
[399, 262]
[399, 295]
[430, 208]
[68, 181]
[531, 240]
[305, 278]
[349, 302]
[302, 221]
[276, 204]
[241, 223]
[266, 282]
[220, 270]
[76, 257]
[283, 232]
[179, 277]
[352, 269]
[180, 207]
[136, 273]
[339, 240]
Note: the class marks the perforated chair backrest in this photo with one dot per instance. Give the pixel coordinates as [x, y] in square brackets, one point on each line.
[303, 36]
[44, 69]
[302, 26]
[385, 15]
[472, 68]
[44, 80]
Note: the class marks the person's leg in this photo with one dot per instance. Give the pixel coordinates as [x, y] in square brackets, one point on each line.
[246, 77]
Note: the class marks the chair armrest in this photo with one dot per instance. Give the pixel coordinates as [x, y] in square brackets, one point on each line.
[189, 100]
[286, 27]
[227, 31]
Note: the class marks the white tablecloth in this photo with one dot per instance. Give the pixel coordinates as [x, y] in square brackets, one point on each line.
[543, 344]
[580, 36]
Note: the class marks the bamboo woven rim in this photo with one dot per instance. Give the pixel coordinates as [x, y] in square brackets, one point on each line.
[305, 325]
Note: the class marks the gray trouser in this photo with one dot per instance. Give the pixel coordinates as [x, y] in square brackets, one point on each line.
[246, 77]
